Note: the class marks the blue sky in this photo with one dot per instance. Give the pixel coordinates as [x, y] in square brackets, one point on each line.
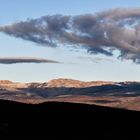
[76, 64]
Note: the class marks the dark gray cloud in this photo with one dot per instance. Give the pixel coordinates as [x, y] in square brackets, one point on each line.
[99, 33]
[14, 60]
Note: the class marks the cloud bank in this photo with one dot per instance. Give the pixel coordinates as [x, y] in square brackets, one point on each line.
[10, 60]
[100, 33]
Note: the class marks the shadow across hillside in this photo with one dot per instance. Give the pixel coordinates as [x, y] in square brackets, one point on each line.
[103, 90]
[53, 118]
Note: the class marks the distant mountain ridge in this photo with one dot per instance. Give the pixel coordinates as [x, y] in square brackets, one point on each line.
[64, 83]
[54, 83]
[75, 83]
[107, 93]
[5, 82]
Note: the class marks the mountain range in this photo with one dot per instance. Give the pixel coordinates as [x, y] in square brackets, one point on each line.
[124, 95]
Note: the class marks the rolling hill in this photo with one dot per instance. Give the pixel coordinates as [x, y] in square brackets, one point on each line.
[124, 95]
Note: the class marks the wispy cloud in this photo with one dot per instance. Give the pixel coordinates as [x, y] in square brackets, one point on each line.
[100, 33]
[14, 60]
[95, 59]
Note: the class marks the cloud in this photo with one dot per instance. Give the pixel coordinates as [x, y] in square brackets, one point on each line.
[100, 33]
[14, 60]
[95, 59]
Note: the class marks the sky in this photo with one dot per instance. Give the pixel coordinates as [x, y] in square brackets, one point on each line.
[73, 62]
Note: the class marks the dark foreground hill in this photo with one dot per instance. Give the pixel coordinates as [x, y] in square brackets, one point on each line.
[55, 119]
